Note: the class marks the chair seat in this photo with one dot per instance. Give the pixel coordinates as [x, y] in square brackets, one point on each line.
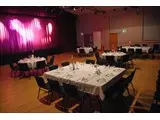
[47, 86]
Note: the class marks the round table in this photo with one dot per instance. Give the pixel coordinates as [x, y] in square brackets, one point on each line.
[31, 62]
[86, 49]
[115, 54]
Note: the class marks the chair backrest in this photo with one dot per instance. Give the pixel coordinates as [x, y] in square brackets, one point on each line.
[51, 60]
[138, 51]
[11, 65]
[81, 50]
[97, 55]
[107, 51]
[40, 64]
[144, 45]
[137, 45]
[54, 85]
[130, 77]
[116, 90]
[70, 90]
[53, 67]
[88, 61]
[65, 63]
[95, 49]
[23, 66]
[155, 47]
[110, 60]
[123, 83]
[40, 82]
[123, 50]
[46, 57]
[125, 58]
[130, 50]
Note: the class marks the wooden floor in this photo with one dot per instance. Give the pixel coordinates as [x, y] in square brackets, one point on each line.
[20, 95]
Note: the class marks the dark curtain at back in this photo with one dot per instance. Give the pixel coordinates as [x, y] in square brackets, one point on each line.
[19, 35]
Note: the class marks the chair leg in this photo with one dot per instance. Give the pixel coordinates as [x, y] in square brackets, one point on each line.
[100, 105]
[49, 98]
[90, 102]
[133, 89]
[38, 94]
[128, 91]
[81, 103]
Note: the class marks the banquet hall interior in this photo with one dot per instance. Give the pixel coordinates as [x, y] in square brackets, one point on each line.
[79, 59]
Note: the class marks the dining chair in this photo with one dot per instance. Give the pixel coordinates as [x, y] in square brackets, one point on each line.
[110, 60]
[71, 97]
[81, 52]
[157, 96]
[14, 69]
[138, 53]
[156, 47]
[23, 68]
[40, 65]
[66, 63]
[94, 49]
[53, 67]
[137, 45]
[88, 61]
[131, 51]
[42, 87]
[130, 79]
[54, 87]
[99, 60]
[124, 50]
[125, 59]
[50, 63]
[114, 95]
[144, 45]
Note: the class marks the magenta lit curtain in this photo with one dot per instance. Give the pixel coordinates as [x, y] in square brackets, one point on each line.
[21, 34]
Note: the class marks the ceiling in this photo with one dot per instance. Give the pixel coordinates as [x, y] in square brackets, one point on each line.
[80, 10]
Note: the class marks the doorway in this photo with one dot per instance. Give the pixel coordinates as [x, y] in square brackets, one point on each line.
[113, 40]
[88, 40]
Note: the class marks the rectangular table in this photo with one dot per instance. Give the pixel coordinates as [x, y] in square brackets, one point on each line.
[87, 78]
[144, 49]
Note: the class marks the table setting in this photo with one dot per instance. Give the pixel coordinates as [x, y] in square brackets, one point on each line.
[88, 78]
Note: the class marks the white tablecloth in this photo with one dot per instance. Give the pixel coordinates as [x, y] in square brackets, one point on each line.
[85, 77]
[31, 62]
[144, 49]
[86, 49]
[115, 54]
